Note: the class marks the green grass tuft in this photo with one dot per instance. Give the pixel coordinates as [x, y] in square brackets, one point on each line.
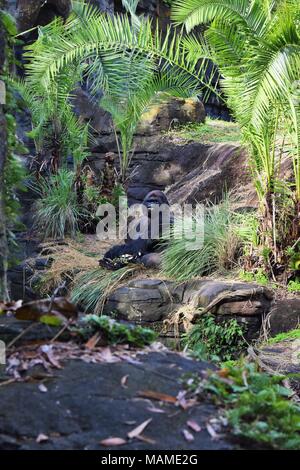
[212, 131]
[289, 335]
[92, 288]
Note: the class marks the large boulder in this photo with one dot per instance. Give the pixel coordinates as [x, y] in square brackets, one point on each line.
[151, 301]
[284, 316]
[175, 112]
[32, 12]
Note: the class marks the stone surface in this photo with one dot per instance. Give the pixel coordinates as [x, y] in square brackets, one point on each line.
[284, 316]
[282, 358]
[32, 12]
[190, 172]
[10, 328]
[175, 112]
[151, 301]
[86, 403]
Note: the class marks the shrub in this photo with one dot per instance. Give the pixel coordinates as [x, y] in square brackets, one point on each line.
[225, 233]
[257, 405]
[211, 339]
[115, 332]
[57, 211]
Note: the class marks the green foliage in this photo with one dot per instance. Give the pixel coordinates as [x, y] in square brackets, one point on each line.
[57, 210]
[8, 23]
[258, 276]
[115, 332]
[289, 335]
[225, 233]
[14, 171]
[213, 130]
[257, 405]
[256, 46]
[57, 131]
[120, 55]
[294, 286]
[91, 288]
[211, 339]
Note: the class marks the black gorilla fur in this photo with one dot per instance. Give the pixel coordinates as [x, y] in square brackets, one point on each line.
[134, 250]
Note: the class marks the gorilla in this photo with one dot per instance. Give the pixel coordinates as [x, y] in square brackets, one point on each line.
[145, 248]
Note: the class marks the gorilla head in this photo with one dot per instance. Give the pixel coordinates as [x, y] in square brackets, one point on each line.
[155, 198]
[134, 250]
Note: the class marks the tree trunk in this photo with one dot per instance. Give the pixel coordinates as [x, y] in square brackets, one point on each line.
[3, 155]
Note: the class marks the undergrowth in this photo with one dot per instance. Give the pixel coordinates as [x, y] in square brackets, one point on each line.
[212, 131]
[57, 211]
[289, 335]
[91, 289]
[256, 405]
[226, 234]
[115, 332]
[215, 340]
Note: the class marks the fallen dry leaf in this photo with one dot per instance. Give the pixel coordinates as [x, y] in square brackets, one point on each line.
[153, 409]
[113, 441]
[139, 429]
[145, 439]
[58, 307]
[92, 342]
[157, 396]
[212, 432]
[124, 381]
[42, 438]
[193, 425]
[187, 435]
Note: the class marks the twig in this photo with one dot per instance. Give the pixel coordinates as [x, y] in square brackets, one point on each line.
[60, 332]
[7, 382]
[20, 335]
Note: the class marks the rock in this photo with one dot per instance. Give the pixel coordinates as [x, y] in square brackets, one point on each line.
[281, 358]
[173, 113]
[189, 172]
[32, 12]
[86, 403]
[225, 163]
[10, 328]
[151, 301]
[284, 316]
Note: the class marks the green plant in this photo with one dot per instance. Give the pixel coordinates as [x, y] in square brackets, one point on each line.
[12, 171]
[122, 56]
[289, 335]
[258, 276]
[225, 233]
[256, 45]
[57, 211]
[215, 339]
[56, 131]
[115, 332]
[213, 130]
[92, 288]
[294, 286]
[257, 405]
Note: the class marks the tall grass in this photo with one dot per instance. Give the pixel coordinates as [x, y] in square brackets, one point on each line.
[92, 288]
[225, 234]
[57, 211]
